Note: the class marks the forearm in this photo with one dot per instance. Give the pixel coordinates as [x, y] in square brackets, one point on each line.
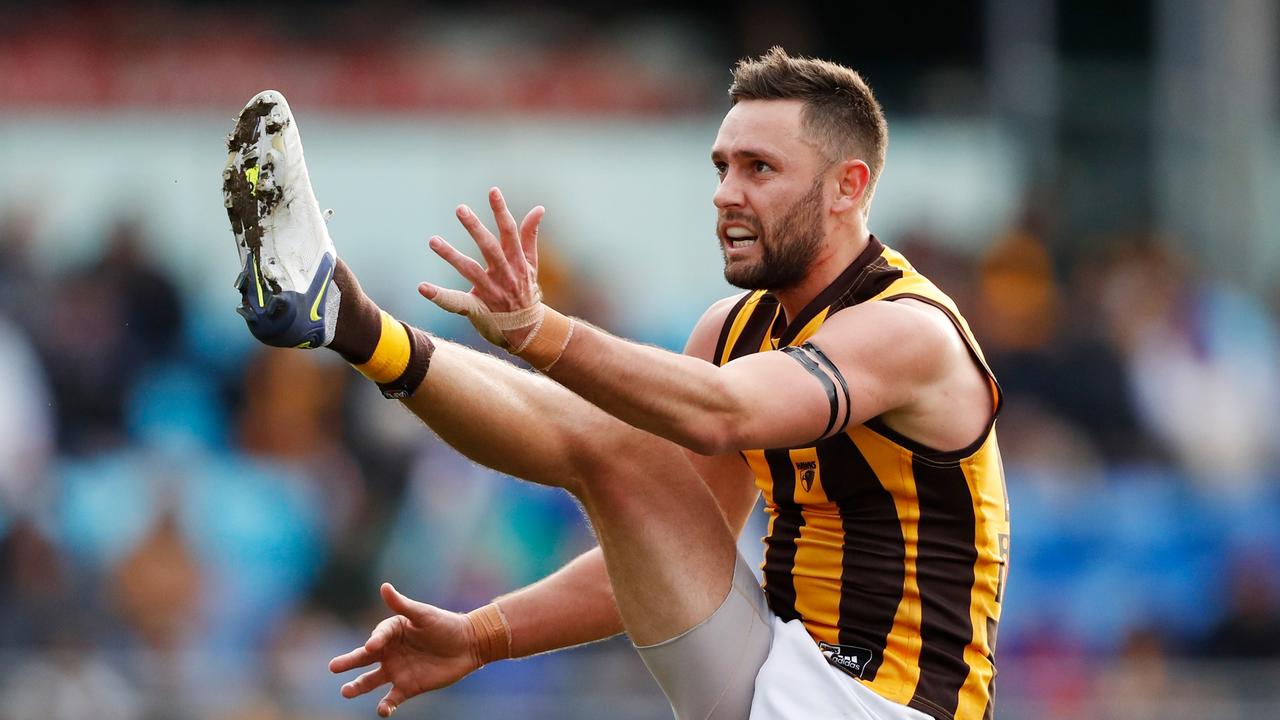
[684, 399]
[572, 606]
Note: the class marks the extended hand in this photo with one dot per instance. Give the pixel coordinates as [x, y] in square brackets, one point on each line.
[420, 648]
[507, 284]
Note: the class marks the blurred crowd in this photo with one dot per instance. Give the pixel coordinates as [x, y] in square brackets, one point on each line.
[191, 525]
[178, 520]
[1140, 436]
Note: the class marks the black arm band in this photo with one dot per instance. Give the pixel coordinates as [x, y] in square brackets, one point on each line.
[835, 372]
[803, 356]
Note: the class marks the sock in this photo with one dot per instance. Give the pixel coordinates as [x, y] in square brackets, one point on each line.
[385, 350]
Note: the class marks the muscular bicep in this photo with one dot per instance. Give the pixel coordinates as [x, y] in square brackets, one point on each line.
[780, 402]
[770, 397]
[863, 362]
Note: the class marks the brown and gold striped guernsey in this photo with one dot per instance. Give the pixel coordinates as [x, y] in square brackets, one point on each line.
[891, 554]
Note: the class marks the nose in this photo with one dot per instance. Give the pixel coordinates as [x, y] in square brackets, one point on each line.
[729, 193]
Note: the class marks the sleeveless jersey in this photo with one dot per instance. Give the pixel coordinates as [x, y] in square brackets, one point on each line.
[893, 555]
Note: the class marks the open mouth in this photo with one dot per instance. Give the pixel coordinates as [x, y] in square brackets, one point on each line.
[738, 237]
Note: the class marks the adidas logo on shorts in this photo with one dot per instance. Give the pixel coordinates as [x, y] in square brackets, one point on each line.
[852, 660]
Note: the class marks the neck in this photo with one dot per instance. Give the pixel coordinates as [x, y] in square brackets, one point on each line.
[833, 257]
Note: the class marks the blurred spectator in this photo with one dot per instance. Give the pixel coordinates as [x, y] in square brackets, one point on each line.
[564, 286]
[67, 684]
[151, 304]
[452, 507]
[292, 415]
[35, 590]
[1042, 445]
[1201, 358]
[298, 670]
[108, 321]
[26, 424]
[1139, 685]
[1048, 350]
[89, 361]
[1050, 665]
[52, 668]
[157, 586]
[950, 269]
[18, 281]
[1250, 626]
[1018, 297]
[1093, 389]
[291, 411]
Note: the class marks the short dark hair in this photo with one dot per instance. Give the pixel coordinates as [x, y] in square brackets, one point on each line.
[840, 112]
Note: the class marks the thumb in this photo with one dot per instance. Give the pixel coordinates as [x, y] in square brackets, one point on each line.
[419, 613]
[454, 301]
[468, 306]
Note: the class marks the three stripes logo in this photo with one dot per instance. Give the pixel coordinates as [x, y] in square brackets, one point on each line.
[852, 660]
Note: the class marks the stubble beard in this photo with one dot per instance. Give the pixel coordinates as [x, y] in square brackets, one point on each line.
[788, 247]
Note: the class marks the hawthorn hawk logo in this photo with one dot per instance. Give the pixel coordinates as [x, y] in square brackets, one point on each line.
[808, 471]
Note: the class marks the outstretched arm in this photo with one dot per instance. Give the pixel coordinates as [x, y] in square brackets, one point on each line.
[421, 647]
[872, 359]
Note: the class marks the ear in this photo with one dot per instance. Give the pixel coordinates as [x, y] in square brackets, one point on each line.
[852, 177]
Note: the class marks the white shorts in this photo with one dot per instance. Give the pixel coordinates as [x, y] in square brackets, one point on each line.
[796, 681]
[743, 662]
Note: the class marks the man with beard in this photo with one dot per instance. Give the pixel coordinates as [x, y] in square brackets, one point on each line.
[847, 382]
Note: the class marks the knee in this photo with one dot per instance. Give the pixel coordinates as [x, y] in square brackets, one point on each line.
[618, 457]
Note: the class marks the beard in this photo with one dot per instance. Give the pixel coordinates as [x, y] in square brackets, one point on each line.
[787, 246]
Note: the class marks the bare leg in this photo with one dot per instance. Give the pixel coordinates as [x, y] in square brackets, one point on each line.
[668, 549]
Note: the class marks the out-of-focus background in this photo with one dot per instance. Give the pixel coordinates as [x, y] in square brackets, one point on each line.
[190, 525]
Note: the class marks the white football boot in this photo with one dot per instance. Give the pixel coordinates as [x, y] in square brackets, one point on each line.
[286, 255]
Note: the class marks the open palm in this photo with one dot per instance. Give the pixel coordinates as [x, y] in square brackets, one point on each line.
[419, 649]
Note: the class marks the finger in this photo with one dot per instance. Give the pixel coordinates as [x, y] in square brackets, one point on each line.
[418, 612]
[508, 233]
[366, 682]
[466, 267]
[352, 660]
[390, 701]
[488, 244]
[385, 632]
[529, 235]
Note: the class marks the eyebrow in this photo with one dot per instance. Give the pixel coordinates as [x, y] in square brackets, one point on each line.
[747, 153]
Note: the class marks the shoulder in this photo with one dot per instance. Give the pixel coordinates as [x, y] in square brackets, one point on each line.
[914, 338]
[706, 333]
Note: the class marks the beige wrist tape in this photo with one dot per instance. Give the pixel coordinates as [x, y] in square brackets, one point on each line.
[541, 348]
[488, 323]
[548, 340]
[517, 319]
[493, 633]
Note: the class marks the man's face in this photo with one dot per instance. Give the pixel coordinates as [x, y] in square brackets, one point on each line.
[771, 202]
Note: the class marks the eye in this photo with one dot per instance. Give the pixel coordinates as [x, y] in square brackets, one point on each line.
[762, 166]
[721, 169]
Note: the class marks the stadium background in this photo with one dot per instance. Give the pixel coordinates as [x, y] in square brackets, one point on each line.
[190, 526]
